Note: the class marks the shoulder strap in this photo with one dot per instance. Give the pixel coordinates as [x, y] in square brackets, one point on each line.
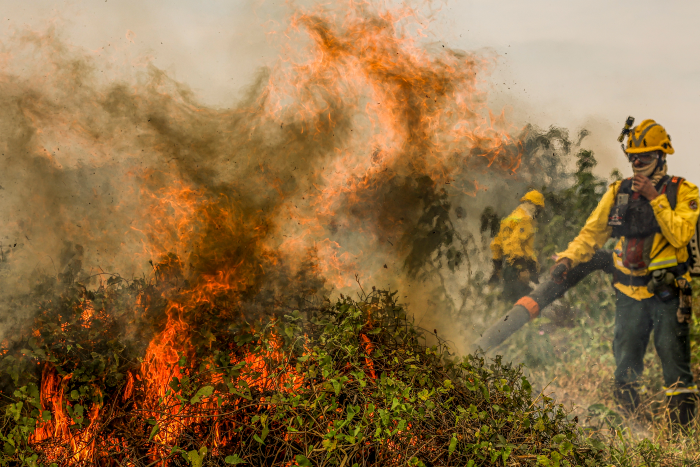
[671, 190]
[663, 181]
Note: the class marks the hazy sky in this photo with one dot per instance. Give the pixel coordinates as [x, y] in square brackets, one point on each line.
[562, 62]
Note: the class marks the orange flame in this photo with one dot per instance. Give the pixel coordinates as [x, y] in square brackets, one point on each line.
[365, 115]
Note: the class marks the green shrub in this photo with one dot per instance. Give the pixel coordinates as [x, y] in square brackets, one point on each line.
[344, 383]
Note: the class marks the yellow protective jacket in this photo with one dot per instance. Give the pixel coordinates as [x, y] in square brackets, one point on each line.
[668, 249]
[516, 236]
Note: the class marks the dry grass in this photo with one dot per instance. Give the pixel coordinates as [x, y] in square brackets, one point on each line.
[575, 366]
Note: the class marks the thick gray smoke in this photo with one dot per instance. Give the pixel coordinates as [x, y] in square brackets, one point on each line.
[343, 164]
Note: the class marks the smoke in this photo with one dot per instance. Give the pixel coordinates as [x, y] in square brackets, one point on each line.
[341, 167]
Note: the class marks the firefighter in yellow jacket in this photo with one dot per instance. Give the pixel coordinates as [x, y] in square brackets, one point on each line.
[514, 258]
[653, 216]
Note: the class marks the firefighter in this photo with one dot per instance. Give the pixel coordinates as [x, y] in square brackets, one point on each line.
[514, 259]
[653, 217]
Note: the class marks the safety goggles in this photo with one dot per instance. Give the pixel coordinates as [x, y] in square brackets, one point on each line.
[644, 157]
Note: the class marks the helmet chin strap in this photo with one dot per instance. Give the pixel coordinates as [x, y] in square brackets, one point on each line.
[660, 162]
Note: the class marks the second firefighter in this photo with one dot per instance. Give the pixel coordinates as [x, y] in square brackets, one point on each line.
[513, 249]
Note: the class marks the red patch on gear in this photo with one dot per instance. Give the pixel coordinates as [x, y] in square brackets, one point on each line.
[693, 205]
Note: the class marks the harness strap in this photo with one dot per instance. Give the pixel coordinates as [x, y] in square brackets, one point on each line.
[669, 186]
[620, 277]
[672, 191]
[672, 196]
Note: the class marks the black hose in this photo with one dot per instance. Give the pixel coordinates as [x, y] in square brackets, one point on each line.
[516, 318]
[543, 295]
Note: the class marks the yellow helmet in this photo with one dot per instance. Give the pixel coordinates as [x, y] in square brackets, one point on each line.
[533, 196]
[648, 136]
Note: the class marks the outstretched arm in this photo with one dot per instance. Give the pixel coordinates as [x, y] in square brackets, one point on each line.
[595, 231]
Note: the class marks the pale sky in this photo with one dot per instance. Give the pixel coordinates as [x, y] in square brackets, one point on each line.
[567, 63]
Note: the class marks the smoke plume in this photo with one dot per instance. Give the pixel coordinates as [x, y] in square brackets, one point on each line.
[356, 160]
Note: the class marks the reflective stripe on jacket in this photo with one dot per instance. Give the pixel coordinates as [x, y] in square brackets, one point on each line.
[669, 247]
[516, 237]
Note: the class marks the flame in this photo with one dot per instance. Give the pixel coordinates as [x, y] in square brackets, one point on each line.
[367, 343]
[87, 314]
[371, 120]
[75, 446]
[424, 117]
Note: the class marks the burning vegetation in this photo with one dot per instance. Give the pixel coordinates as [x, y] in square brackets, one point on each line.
[344, 383]
[341, 166]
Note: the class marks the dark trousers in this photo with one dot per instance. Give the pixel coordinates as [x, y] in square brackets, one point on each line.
[513, 287]
[634, 321]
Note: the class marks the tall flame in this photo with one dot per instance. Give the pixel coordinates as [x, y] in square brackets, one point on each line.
[315, 181]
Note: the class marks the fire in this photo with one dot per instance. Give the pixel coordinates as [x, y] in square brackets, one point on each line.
[75, 445]
[368, 348]
[309, 186]
[420, 116]
[86, 315]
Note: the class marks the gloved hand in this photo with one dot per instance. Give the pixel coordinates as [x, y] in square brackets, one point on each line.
[496, 276]
[560, 270]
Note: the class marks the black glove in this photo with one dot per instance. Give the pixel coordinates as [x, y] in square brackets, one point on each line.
[559, 271]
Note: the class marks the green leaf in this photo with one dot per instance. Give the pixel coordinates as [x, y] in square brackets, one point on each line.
[77, 415]
[556, 457]
[565, 448]
[196, 458]
[303, 461]
[329, 445]
[453, 444]
[206, 391]
[506, 453]
[234, 459]
[596, 443]
[15, 410]
[336, 386]
[539, 426]
[154, 431]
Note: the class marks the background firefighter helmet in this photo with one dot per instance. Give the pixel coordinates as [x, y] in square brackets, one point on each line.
[535, 197]
[648, 136]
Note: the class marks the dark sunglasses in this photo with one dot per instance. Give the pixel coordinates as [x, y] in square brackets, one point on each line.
[645, 157]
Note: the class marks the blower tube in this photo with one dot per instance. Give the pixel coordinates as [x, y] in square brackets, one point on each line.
[529, 306]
